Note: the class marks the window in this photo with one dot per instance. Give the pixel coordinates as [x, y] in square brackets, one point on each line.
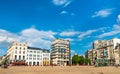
[31, 51]
[38, 52]
[15, 57]
[38, 55]
[16, 47]
[38, 59]
[20, 47]
[23, 52]
[19, 57]
[19, 51]
[34, 55]
[30, 58]
[37, 63]
[30, 55]
[30, 63]
[34, 51]
[34, 58]
[23, 57]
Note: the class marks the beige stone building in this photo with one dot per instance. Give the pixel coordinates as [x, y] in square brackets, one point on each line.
[106, 52]
[60, 53]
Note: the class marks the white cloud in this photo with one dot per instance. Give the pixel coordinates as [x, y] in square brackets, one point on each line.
[89, 45]
[2, 51]
[62, 2]
[69, 33]
[32, 36]
[88, 32]
[83, 34]
[73, 53]
[70, 39]
[114, 31]
[64, 12]
[103, 13]
[118, 20]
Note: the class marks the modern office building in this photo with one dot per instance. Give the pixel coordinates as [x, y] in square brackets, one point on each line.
[60, 53]
[22, 53]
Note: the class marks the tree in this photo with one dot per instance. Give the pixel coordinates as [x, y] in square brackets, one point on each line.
[87, 61]
[81, 60]
[75, 59]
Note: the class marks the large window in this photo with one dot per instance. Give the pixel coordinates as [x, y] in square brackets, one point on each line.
[30, 63]
[15, 57]
[16, 47]
[19, 57]
[23, 57]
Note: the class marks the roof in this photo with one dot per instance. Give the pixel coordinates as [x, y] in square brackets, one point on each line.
[34, 48]
[44, 50]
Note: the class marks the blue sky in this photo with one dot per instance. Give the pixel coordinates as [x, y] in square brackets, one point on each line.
[38, 22]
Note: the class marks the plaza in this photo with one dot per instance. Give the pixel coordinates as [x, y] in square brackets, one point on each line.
[60, 70]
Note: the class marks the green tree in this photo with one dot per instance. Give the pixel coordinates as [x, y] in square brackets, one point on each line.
[75, 59]
[87, 61]
[81, 60]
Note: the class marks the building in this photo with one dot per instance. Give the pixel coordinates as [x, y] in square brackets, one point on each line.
[117, 54]
[46, 57]
[21, 53]
[60, 53]
[89, 55]
[34, 56]
[17, 52]
[106, 52]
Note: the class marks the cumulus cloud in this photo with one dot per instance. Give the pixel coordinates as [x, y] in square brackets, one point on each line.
[32, 36]
[114, 31]
[103, 13]
[61, 2]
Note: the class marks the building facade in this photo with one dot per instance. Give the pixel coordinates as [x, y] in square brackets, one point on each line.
[22, 53]
[106, 52]
[89, 54]
[60, 53]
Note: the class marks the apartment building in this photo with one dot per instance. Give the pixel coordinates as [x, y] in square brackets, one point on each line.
[117, 54]
[34, 56]
[60, 53]
[89, 55]
[46, 57]
[21, 52]
[105, 51]
[17, 52]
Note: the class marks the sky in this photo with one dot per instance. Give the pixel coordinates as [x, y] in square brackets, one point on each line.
[39, 22]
